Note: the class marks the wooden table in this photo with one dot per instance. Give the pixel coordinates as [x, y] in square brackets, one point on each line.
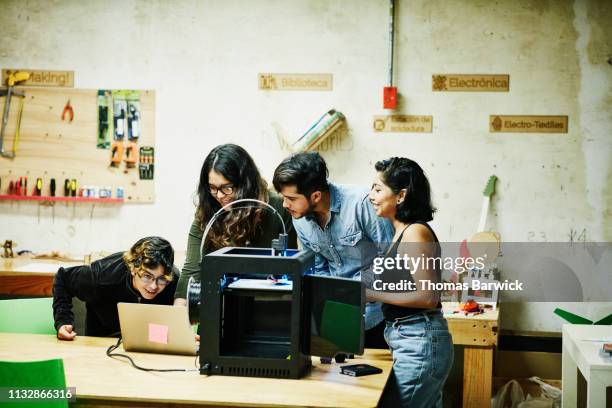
[478, 335]
[581, 345]
[100, 380]
[21, 276]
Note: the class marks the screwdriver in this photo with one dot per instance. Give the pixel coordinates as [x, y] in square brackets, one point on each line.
[38, 187]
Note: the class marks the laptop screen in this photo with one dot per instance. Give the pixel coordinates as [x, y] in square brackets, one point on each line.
[156, 329]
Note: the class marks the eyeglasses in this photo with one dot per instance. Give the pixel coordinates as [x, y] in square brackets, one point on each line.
[147, 279]
[225, 190]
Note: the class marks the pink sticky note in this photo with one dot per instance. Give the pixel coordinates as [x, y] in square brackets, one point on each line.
[158, 333]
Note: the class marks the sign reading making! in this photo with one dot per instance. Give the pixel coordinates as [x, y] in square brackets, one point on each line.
[39, 77]
[470, 83]
[528, 124]
[295, 82]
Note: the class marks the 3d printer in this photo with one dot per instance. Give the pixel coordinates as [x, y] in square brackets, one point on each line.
[263, 314]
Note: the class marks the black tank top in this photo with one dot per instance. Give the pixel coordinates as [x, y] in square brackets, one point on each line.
[392, 312]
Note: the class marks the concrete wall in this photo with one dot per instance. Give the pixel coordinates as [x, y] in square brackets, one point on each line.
[203, 57]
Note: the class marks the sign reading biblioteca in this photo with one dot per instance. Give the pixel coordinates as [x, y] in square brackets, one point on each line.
[528, 124]
[64, 79]
[295, 82]
[470, 83]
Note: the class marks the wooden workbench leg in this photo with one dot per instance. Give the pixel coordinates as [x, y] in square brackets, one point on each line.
[477, 376]
[569, 378]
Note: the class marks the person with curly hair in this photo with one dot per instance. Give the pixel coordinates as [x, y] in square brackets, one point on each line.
[143, 274]
[229, 174]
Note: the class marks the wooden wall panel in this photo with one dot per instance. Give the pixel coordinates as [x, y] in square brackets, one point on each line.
[52, 148]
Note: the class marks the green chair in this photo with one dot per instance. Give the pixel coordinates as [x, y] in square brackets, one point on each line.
[34, 316]
[39, 375]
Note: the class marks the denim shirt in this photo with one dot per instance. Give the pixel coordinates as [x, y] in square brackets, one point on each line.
[353, 236]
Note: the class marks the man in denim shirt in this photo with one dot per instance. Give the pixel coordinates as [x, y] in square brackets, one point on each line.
[337, 223]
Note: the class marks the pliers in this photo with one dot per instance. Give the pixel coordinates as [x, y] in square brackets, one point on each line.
[68, 110]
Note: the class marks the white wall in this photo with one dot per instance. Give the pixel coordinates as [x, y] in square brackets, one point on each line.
[203, 57]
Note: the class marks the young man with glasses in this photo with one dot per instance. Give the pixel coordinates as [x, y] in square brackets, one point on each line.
[144, 274]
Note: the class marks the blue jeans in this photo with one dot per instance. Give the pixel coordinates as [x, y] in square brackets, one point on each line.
[422, 350]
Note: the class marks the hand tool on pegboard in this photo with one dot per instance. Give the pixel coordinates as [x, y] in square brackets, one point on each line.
[68, 112]
[70, 187]
[116, 153]
[133, 127]
[13, 79]
[105, 113]
[131, 155]
[38, 187]
[73, 188]
[146, 165]
[120, 127]
[119, 115]
[133, 116]
[19, 187]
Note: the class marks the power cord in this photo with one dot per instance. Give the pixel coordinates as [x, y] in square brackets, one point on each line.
[109, 353]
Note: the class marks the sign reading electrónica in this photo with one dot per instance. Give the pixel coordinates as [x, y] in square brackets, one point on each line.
[470, 83]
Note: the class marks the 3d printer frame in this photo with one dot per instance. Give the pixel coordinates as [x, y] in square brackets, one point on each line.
[253, 332]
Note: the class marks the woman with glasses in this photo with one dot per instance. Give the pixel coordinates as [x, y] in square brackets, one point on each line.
[144, 274]
[228, 174]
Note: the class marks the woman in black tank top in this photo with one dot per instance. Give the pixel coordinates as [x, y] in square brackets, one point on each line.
[416, 330]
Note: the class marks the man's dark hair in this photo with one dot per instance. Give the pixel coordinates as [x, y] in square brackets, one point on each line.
[307, 171]
[151, 252]
[399, 173]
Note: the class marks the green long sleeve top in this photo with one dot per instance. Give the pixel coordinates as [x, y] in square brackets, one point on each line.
[263, 238]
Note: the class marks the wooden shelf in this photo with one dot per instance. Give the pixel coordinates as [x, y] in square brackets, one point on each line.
[66, 199]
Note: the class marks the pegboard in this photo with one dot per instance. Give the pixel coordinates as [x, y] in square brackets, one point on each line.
[49, 147]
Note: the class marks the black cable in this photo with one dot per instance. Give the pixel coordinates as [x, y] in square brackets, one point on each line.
[113, 347]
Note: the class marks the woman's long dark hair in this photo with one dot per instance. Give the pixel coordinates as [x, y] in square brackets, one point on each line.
[399, 173]
[237, 226]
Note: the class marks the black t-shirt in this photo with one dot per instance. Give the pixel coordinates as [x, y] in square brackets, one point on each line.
[101, 286]
[392, 312]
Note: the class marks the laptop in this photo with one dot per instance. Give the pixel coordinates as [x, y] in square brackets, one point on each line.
[156, 329]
